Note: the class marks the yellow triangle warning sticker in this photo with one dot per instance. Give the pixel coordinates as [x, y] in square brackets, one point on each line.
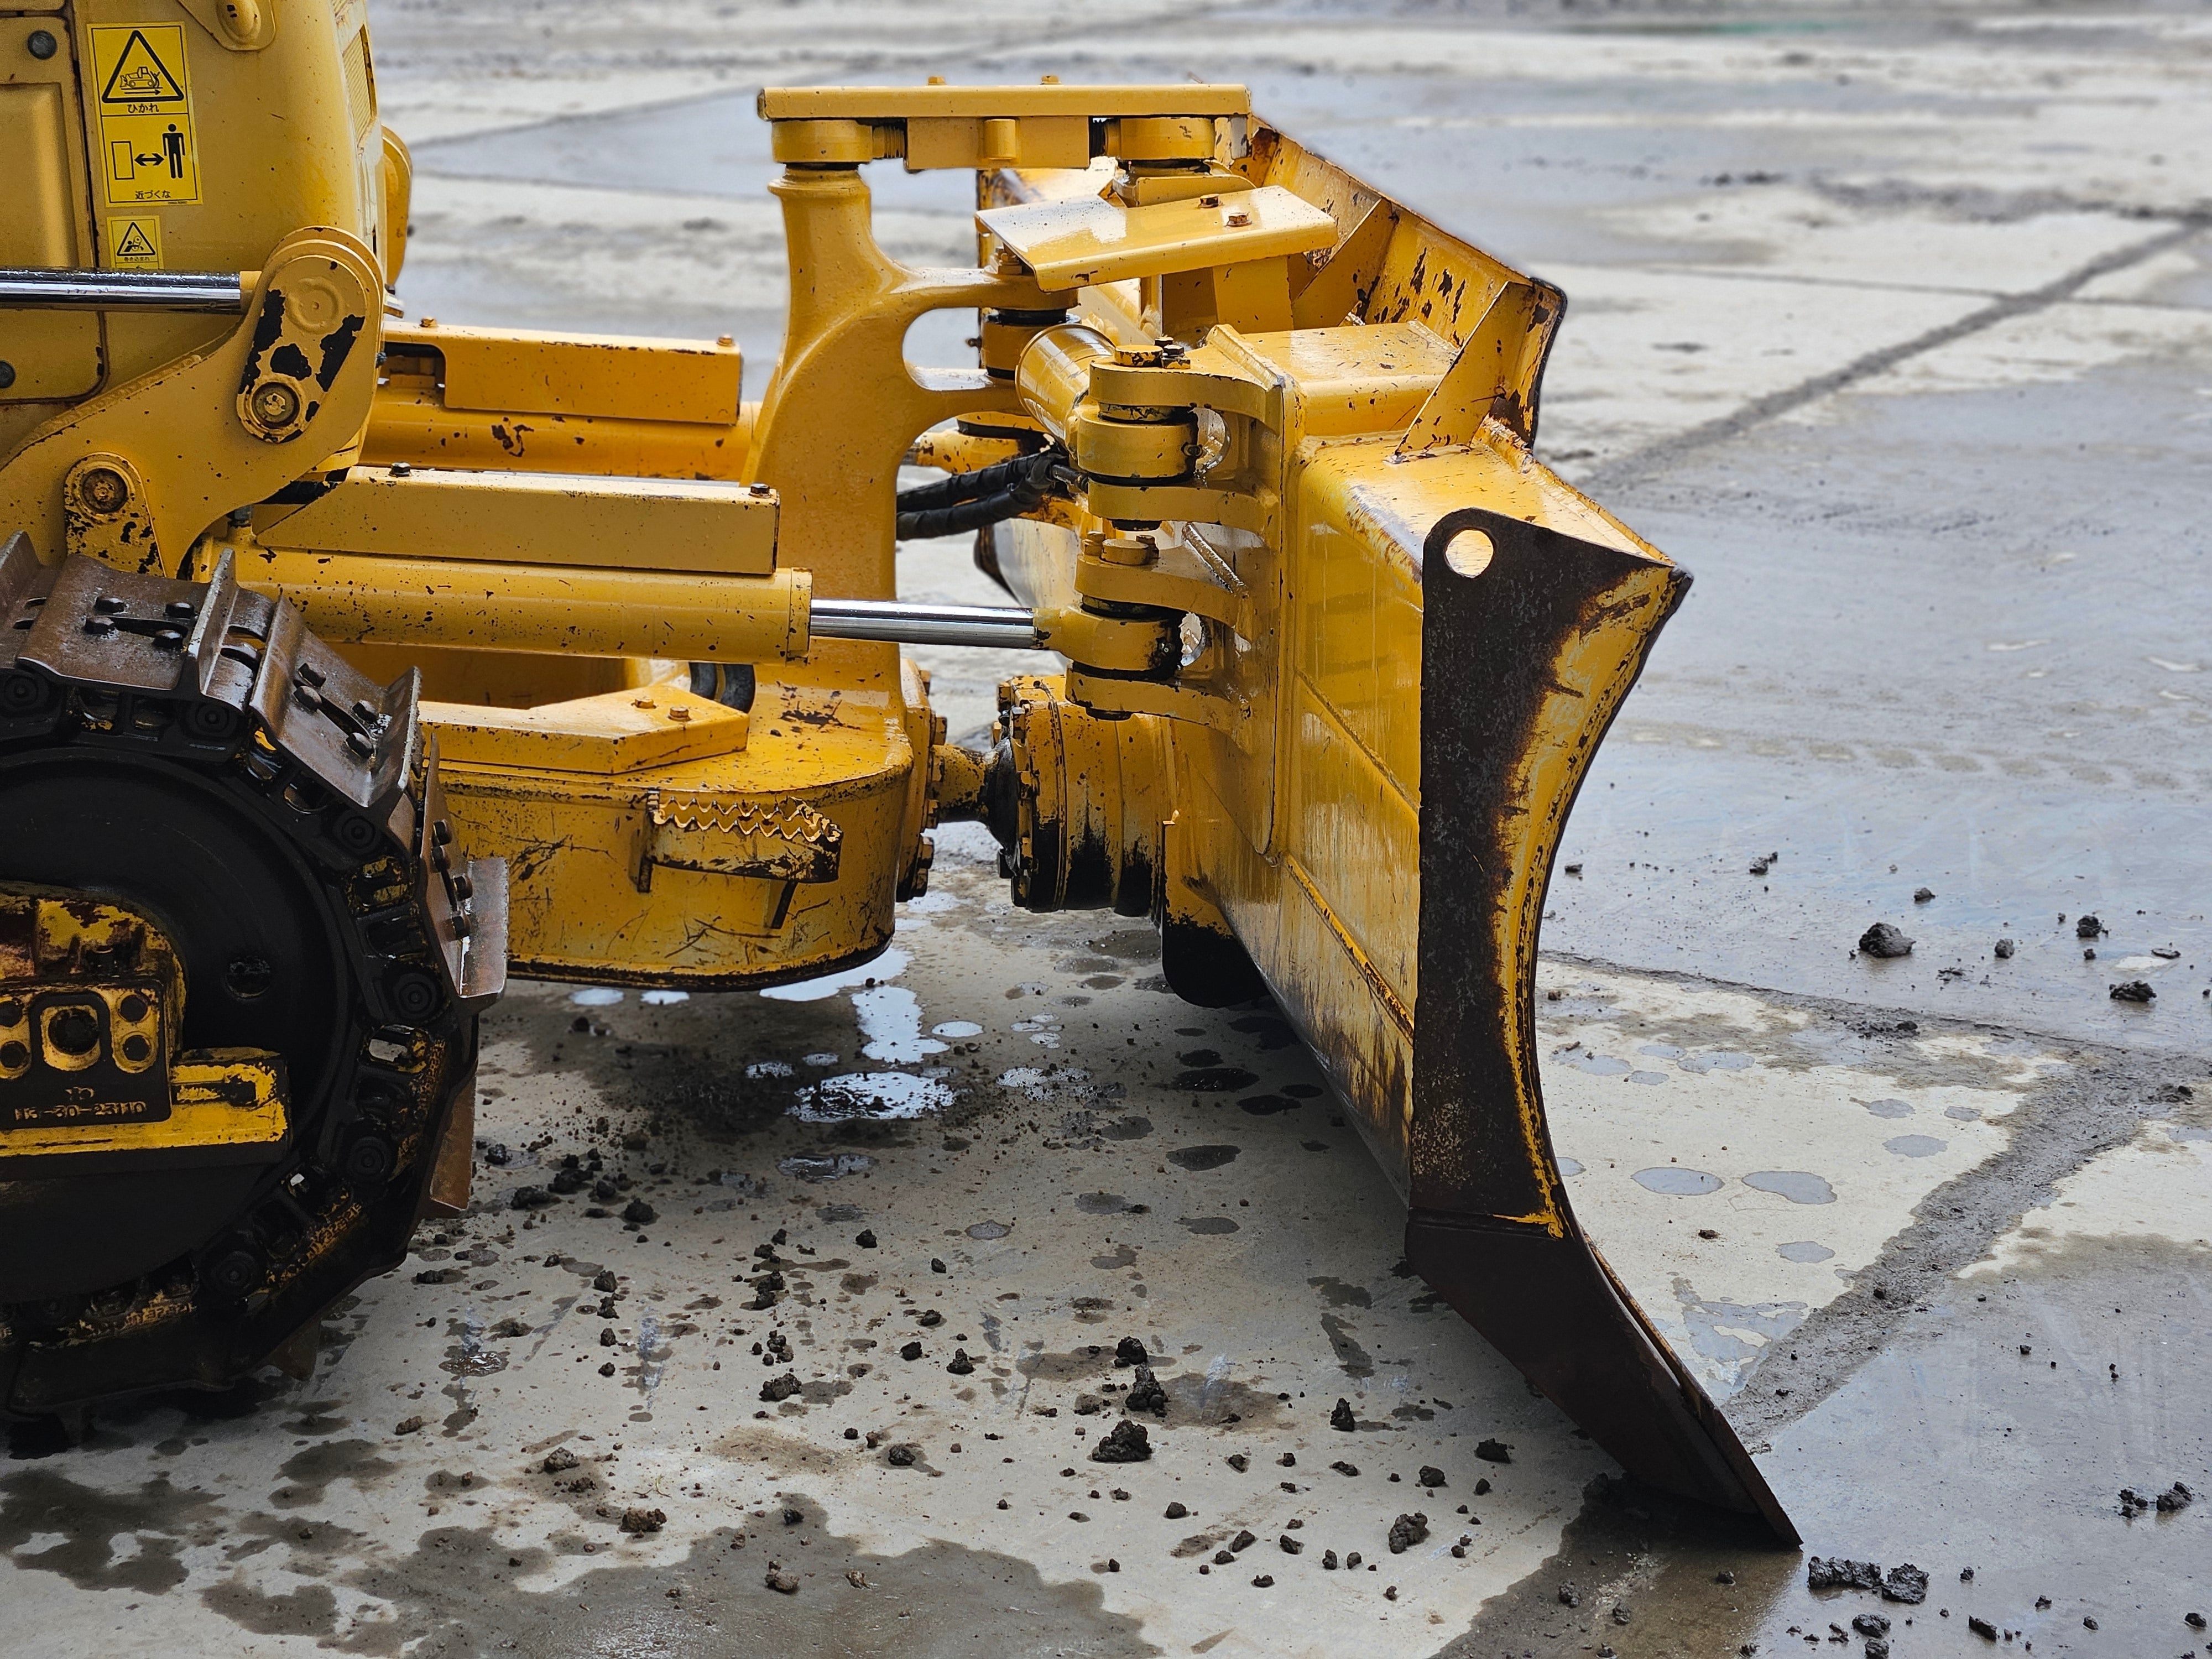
[135, 243]
[140, 76]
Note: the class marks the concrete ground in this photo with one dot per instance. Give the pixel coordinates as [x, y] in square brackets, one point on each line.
[1896, 326]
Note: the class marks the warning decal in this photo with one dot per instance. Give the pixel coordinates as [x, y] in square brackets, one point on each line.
[134, 242]
[145, 110]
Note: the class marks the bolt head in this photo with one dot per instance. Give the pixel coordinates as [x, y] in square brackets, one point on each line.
[104, 489]
[275, 404]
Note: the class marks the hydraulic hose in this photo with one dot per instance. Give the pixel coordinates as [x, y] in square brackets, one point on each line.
[969, 500]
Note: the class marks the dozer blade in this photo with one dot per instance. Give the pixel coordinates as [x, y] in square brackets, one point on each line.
[1525, 663]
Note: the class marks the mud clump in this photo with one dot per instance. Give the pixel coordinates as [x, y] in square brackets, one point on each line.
[779, 1387]
[780, 1582]
[640, 1214]
[1124, 1442]
[1342, 1419]
[1871, 1624]
[1130, 1351]
[2004, 949]
[1906, 1583]
[558, 1461]
[1822, 1573]
[903, 1456]
[1494, 1452]
[1407, 1531]
[2088, 927]
[1145, 1393]
[1884, 939]
[640, 1521]
[960, 1364]
[1431, 1476]
[2133, 990]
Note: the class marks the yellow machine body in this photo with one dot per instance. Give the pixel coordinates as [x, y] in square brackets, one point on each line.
[1337, 648]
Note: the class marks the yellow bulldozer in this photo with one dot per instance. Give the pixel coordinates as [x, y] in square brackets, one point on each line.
[348, 665]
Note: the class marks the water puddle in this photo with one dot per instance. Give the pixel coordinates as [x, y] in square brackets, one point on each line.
[1915, 1145]
[1678, 1183]
[880, 1095]
[1795, 1185]
[890, 1022]
[888, 966]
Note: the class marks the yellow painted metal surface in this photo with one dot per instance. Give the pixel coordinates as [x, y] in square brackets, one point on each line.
[350, 598]
[222, 1099]
[528, 371]
[616, 731]
[614, 877]
[312, 79]
[1087, 240]
[519, 518]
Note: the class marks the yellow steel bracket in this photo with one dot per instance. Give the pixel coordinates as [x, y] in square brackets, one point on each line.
[1499, 355]
[844, 406]
[1159, 568]
[134, 476]
[1047, 125]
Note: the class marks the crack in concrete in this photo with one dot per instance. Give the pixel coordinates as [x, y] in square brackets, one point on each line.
[1646, 462]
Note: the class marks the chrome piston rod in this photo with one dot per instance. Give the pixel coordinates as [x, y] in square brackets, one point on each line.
[34, 287]
[1003, 626]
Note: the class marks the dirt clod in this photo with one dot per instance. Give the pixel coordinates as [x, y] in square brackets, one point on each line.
[1407, 1531]
[1823, 1572]
[1341, 1418]
[1494, 1452]
[1124, 1442]
[960, 1364]
[559, 1459]
[1432, 1476]
[1145, 1393]
[2133, 990]
[781, 1581]
[903, 1455]
[639, 1522]
[779, 1387]
[1884, 939]
[408, 1424]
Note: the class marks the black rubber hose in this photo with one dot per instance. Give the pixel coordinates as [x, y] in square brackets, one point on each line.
[969, 500]
[963, 516]
[963, 486]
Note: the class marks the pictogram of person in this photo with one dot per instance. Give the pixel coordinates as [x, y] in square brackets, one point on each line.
[173, 146]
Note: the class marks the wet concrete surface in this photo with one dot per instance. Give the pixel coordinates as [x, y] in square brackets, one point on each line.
[1893, 326]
